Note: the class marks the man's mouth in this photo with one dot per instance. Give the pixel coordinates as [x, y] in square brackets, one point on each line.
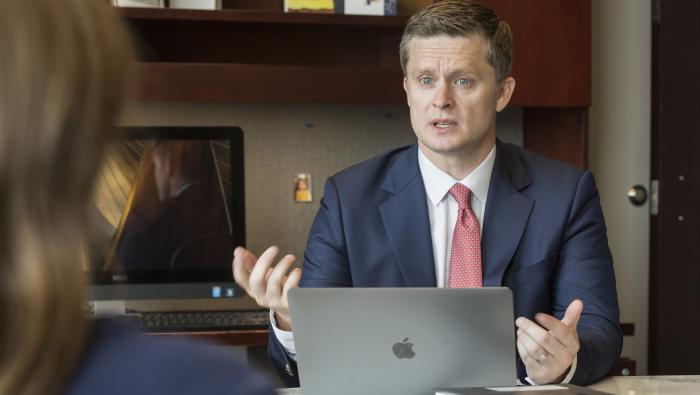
[444, 124]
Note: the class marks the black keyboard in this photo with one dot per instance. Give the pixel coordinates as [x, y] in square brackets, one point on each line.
[187, 321]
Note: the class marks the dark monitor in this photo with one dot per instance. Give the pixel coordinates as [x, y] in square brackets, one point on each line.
[170, 207]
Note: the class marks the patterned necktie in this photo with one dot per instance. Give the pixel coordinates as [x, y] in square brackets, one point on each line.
[465, 262]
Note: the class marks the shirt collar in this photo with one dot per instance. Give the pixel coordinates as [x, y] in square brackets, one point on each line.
[438, 183]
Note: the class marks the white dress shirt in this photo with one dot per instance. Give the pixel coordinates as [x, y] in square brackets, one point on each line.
[443, 208]
[442, 213]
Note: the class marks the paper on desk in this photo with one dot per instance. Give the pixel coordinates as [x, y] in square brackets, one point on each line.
[525, 389]
[508, 389]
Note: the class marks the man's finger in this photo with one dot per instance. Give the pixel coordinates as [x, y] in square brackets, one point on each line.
[528, 326]
[247, 257]
[573, 313]
[544, 338]
[267, 275]
[539, 347]
[257, 276]
[243, 262]
[292, 282]
[523, 352]
[276, 280]
[561, 332]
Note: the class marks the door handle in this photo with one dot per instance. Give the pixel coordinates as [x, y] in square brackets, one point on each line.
[637, 195]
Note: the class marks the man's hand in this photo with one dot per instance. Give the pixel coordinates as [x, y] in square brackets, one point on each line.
[265, 283]
[549, 349]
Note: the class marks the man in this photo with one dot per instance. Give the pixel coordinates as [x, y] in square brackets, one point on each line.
[461, 208]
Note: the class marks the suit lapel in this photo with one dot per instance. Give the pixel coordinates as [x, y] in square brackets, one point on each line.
[507, 213]
[405, 218]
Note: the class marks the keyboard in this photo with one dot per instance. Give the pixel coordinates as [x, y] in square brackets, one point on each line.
[189, 321]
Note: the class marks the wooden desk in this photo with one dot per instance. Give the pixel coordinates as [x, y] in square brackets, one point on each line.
[249, 338]
[639, 385]
[649, 385]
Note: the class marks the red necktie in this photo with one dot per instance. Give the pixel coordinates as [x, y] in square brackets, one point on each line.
[465, 262]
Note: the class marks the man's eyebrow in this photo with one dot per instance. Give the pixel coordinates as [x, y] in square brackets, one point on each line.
[424, 70]
[466, 73]
[458, 69]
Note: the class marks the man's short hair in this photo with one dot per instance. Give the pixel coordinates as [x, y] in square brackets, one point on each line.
[461, 18]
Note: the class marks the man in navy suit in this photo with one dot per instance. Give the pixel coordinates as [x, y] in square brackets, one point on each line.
[390, 221]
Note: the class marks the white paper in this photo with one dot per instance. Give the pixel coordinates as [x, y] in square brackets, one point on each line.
[526, 389]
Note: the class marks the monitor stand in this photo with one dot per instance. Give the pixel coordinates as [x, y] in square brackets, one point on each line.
[109, 307]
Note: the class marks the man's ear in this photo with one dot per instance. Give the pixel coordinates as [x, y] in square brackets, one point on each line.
[405, 88]
[505, 91]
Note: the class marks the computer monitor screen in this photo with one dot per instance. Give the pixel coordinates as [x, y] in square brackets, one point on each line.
[170, 211]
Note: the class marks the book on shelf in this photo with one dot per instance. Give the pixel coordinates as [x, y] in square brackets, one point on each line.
[347, 7]
[139, 3]
[368, 7]
[195, 4]
[183, 4]
[311, 6]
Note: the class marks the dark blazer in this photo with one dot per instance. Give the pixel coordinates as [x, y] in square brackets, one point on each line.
[544, 237]
[119, 360]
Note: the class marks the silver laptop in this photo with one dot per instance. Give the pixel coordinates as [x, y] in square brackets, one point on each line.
[402, 341]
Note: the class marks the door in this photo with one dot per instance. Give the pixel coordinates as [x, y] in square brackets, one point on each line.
[674, 345]
[619, 151]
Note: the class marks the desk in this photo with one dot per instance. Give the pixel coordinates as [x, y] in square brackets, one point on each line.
[649, 385]
[621, 385]
[248, 338]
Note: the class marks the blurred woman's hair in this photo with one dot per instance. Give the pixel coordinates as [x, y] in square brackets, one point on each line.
[64, 72]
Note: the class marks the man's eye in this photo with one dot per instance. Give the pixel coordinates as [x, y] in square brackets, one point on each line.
[464, 81]
[426, 80]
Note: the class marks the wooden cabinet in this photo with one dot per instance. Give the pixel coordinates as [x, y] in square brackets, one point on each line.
[265, 55]
[244, 55]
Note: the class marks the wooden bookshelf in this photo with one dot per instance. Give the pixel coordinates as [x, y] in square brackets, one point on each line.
[260, 16]
[551, 54]
[267, 83]
[265, 55]
[230, 55]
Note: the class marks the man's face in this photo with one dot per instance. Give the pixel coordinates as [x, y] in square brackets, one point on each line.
[453, 95]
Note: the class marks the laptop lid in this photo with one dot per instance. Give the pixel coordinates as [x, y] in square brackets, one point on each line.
[403, 341]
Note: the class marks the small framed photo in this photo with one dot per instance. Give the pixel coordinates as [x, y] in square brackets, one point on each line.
[302, 188]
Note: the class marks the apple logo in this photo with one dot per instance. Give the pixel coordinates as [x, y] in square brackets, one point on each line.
[403, 350]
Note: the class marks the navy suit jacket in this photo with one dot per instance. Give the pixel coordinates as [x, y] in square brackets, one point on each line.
[544, 237]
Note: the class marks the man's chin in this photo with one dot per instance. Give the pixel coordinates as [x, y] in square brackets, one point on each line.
[454, 148]
[444, 149]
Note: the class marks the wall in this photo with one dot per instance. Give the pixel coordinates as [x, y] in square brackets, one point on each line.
[282, 140]
[619, 150]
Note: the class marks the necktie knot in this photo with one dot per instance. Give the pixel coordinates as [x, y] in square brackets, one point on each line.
[462, 195]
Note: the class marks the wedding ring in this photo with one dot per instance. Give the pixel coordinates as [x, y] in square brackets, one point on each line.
[541, 358]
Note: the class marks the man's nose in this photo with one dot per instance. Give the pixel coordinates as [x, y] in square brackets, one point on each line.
[443, 97]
